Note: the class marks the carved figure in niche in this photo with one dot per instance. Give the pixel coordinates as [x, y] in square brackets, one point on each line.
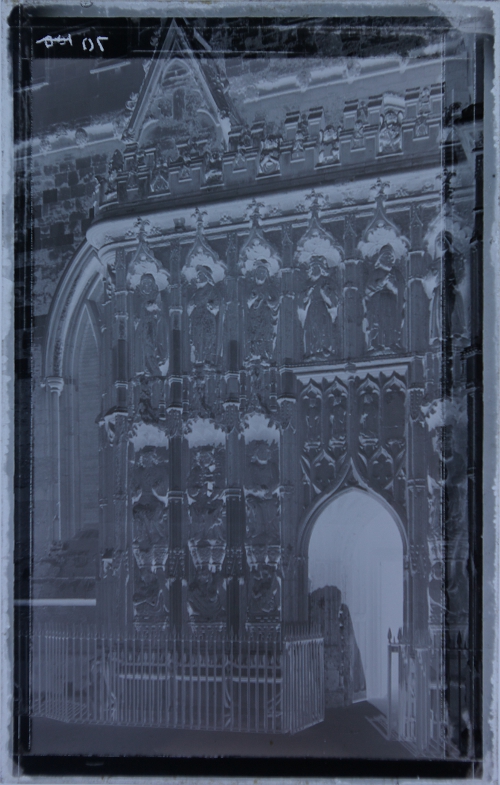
[150, 312]
[150, 479]
[159, 179]
[423, 111]
[384, 303]
[329, 145]
[424, 101]
[300, 138]
[263, 523]
[362, 112]
[264, 593]
[320, 304]
[148, 594]
[198, 396]
[145, 410]
[204, 599]
[262, 466]
[269, 162]
[259, 389]
[368, 416]
[213, 167]
[358, 138]
[147, 459]
[244, 142]
[185, 167]
[313, 419]
[394, 415]
[204, 484]
[421, 128]
[262, 313]
[240, 161]
[390, 136]
[432, 283]
[337, 416]
[206, 305]
[115, 168]
[453, 267]
[149, 523]
[449, 264]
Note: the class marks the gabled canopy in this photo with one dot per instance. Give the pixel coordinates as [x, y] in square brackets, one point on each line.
[185, 89]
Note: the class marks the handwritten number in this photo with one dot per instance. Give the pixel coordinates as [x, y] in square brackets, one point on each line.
[50, 40]
[87, 43]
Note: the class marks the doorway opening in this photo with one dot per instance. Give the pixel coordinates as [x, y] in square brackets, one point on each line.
[356, 546]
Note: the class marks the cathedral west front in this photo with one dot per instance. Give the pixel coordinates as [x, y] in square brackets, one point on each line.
[255, 359]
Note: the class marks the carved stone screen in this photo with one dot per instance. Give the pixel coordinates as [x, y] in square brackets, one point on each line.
[249, 353]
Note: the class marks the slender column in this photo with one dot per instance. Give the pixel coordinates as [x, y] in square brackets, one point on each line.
[235, 510]
[417, 562]
[418, 511]
[294, 593]
[417, 302]
[473, 358]
[174, 428]
[113, 596]
[55, 386]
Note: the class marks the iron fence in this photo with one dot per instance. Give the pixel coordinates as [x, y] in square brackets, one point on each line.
[430, 711]
[270, 683]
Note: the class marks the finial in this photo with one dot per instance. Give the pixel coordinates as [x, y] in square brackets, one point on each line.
[314, 199]
[198, 214]
[140, 225]
[255, 212]
[380, 188]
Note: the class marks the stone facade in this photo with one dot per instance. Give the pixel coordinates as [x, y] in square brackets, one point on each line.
[249, 298]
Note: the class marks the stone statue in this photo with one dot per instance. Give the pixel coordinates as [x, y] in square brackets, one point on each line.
[270, 155]
[320, 302]
[150, 313]
[368, 419]
[264, 590]
[204, 596]
[313, 419]
[263, 524]
[262, 314]
[390, 137]
[329, 145]
[384, 303]
[204, 317]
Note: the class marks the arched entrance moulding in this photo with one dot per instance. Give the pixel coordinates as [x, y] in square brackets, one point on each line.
[351, 481]
[80, 278]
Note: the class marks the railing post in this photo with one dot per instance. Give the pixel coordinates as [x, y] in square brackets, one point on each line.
[389, 686]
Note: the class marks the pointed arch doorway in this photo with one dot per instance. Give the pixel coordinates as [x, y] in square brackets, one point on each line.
[357, 547]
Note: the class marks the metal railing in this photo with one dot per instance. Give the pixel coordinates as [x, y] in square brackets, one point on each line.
[430, 712]
[259, 684]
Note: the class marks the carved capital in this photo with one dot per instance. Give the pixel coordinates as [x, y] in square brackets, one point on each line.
[176, 565]
[416, 398]
[234, 562]
[231, 417]
[55, 384]
[286, 413]
[174, 421]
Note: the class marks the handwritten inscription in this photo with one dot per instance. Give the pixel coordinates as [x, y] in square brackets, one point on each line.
[88, 44]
